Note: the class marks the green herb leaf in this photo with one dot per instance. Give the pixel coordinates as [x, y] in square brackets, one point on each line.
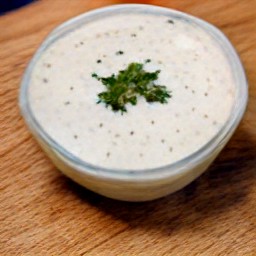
[130, 83]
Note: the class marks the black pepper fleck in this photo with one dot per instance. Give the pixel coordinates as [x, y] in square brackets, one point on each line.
[71, 88]
[162, 140]
[205, 116]
[81, 43]
[206, 94]
[108, 154]
[133, 35]
[152, 122]
[132, 132]
[117, 135]
[170, 21]
[119, 53]
[177, 130]
[99, 61]
[45, 80]
[75, 136]
[67, 103]
[101, 125]
[170, 149]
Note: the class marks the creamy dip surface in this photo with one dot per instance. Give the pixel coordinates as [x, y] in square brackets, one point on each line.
[63, 93]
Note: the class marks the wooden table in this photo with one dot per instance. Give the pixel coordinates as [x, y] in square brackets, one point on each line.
[44, 213]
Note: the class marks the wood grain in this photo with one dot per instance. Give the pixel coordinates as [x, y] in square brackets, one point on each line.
[44, 213]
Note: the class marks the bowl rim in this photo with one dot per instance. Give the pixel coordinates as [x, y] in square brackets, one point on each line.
[174, 168]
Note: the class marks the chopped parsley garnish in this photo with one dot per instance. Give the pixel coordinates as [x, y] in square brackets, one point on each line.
[128, 84]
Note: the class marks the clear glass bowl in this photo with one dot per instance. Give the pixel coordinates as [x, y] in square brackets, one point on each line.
[147, 184]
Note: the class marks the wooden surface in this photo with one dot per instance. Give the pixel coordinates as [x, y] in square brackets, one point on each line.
[44, 213]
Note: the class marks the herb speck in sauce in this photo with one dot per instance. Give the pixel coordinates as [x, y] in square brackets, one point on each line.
[119, 53]
[170, 21]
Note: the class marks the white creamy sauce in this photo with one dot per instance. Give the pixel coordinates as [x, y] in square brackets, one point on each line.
[63, 93]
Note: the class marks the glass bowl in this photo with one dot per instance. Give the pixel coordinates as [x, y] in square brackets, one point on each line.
[147, 184]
